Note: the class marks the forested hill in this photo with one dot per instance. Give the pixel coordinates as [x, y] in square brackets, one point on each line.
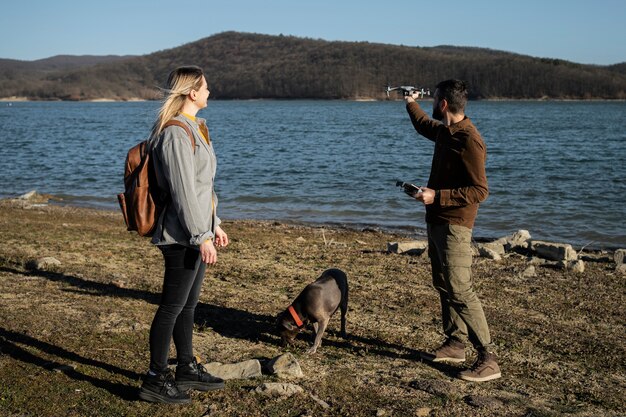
[243, 65]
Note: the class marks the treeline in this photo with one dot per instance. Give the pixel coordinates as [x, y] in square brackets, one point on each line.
[247, 66]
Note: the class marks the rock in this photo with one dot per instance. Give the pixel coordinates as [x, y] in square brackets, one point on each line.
[43, 264]
[29, 195]
[519, 239]
[300, 239]
[276, 389]
[554, 251]
[241, 370]
[529, 272]
[576, 266]
[381, 412]
[493, 246]
[285, 366]
[321, 402]
[432, 386]
[619, 256]
[536, 261]
[621, 269]
[479, 401]
[414, 247]
[34, 198]
[64, 368]
[423, 412]
[487, 252]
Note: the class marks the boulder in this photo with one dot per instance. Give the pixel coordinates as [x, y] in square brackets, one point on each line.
[619, 256]
[554, 251]
[241, 370]
[414, 247]
[277, 389]
[285, 366]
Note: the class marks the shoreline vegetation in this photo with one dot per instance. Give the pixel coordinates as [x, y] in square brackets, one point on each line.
[79, 293]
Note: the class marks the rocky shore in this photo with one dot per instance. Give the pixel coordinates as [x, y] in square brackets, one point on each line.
[79, 292]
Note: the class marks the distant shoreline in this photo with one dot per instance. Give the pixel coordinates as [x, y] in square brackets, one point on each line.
[359, 100]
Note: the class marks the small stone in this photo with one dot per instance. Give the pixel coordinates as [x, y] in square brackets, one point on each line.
[432, 386]
[43, 264]
[619, 256]
[621, 269]
[300, 239]
[576, 266]
[536, 261]
[241, 370]
[321, 402]
[414, 247]
[64, 368]
[479, 401]
[360, 242]
[423, 412]
[529, 272]
[276, 389]
[381, 412]
[487, 252]
[285, 366]
[118, 283]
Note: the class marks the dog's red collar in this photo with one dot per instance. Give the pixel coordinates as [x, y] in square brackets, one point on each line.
[293, 313]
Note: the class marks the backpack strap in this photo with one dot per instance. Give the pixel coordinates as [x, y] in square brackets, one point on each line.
[184, 126]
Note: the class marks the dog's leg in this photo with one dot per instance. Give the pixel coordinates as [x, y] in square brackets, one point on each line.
[320, 327]
[344, 310]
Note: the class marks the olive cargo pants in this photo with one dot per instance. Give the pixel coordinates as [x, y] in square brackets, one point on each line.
[450, 252]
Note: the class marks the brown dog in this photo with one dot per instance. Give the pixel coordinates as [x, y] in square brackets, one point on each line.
[316, 304]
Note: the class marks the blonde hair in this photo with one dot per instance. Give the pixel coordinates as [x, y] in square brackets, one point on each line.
[180, 82]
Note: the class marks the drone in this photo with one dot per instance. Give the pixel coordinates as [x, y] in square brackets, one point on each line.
[408, 90]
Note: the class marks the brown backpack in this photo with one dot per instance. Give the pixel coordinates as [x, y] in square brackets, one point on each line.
[142, 200]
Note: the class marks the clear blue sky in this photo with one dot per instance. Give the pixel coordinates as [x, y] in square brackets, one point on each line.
[585, 31]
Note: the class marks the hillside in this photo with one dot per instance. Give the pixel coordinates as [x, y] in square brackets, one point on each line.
[243, 65]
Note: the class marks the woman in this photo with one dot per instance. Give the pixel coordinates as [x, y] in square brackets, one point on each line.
[187, 234]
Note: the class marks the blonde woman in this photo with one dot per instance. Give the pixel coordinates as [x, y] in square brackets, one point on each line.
[187, 234]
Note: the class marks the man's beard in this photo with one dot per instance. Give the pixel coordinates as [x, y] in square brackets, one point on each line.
[437, 114]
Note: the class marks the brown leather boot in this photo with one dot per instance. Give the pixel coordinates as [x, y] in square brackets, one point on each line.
[484, 369]
[451, 350]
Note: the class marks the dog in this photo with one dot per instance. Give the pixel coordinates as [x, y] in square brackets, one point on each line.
[316, 304]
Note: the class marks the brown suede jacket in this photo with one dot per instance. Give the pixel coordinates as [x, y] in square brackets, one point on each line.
[458, 168]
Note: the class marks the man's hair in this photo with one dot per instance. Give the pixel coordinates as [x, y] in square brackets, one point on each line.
[455, 93]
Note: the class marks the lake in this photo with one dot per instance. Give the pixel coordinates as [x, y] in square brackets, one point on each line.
[557, 169]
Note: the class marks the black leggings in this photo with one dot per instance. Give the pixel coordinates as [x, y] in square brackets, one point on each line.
[184, 273]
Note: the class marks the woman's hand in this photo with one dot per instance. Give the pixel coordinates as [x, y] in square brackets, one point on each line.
[221, 238]
[208, 252]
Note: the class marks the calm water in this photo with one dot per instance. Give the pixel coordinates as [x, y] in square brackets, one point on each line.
[557, 169]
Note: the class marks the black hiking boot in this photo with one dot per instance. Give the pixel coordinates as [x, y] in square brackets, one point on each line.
[194, 376]
[162, 388]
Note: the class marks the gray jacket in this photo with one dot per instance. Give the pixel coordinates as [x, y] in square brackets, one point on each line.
[191, 215]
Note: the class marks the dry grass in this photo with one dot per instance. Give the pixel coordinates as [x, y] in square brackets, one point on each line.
[559, 335]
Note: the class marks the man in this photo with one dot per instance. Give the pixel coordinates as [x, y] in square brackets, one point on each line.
[456, 186]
